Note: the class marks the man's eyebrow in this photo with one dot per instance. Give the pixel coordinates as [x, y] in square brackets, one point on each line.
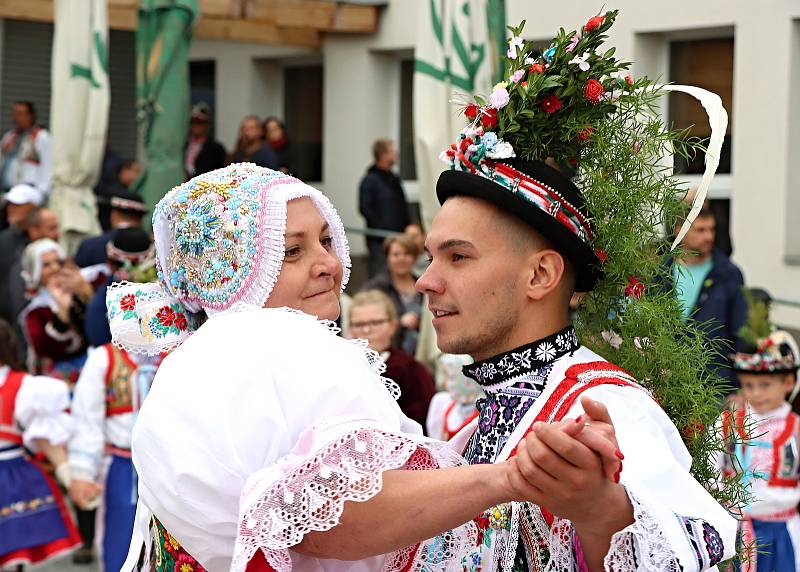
[452, 243]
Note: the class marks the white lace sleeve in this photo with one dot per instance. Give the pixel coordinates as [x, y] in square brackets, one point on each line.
[41, 409]
[332, 463]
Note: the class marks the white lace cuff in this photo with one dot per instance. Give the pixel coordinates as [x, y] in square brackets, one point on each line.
[279, 507]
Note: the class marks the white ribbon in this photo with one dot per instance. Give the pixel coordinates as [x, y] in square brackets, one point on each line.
[718, 119]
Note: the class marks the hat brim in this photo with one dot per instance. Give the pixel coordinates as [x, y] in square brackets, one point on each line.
[587, 266]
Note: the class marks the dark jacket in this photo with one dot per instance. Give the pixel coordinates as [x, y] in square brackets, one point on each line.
[12, 288]
[381, 200]
[212, 156]
[264, 156]
[416, 384]
[721, 310]
[96, 325]
[92, 250]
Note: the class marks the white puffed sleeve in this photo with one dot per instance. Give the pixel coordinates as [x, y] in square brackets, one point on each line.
[678, 524]
[250, 414]
[85, 451]
[41, 410]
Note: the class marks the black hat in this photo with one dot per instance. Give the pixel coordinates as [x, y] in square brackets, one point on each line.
[540, 196]
[127, 200]
[129, 245]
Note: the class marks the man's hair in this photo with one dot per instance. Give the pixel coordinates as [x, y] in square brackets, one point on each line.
[9, 346]
[373, 298]
[29, 105]
[404, 241]
[127, 164]
[380, 147]
[703, 213]
[34, 218]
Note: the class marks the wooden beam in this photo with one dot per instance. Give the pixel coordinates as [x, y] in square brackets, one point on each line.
[320, 15]
[32, 10]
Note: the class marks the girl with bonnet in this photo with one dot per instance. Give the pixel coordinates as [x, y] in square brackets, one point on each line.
[262, 422]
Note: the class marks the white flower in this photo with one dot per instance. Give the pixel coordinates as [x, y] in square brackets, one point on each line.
[581, 61]
[529, 61]
[641, 343]
[515, 44]
[501, 150]
[545, 352]
[613, 338]
[499, 97]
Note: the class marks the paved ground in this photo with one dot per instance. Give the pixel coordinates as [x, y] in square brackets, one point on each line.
[63, 565]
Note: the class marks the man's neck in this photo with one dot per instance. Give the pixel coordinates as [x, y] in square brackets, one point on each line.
[695, 259]
[540, 330]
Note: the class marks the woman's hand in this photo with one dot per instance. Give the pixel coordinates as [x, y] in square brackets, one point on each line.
[410, 321]
[74, 282]
[62, 297]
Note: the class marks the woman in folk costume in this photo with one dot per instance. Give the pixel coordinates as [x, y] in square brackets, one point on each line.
[263, 422]
[516, 237]
[53, 319]
[764, 443]
[109, 392]
[454, 408]
[35, 524]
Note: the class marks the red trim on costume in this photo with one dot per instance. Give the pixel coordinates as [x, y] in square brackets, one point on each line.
[112, 352]
[258, 563]
[788, 430]
[8, 398]
[118, 451]
[450, 434]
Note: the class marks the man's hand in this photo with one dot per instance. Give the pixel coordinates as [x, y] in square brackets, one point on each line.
[83, 493]
[410, 321]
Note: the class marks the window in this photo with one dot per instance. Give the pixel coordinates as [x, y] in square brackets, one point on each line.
[303, 94]
[408, 165]
[202, 79]
[707, 64]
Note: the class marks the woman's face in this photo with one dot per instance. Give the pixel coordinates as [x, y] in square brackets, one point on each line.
[371, 322]
[311, 274]
[51, 266]
[274, 131]
[399, 260]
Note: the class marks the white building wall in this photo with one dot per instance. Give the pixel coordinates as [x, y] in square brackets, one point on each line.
[361, 94]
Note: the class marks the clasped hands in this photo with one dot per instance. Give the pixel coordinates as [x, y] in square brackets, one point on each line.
[572, 467]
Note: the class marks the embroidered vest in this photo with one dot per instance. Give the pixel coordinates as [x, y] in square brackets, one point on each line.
[118, 381]
[9, 430]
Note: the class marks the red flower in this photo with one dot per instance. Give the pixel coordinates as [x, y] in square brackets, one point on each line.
[536, 68]
[602, 255]
[635, 288]
[585, 133]
[180, 322]
[489, 118]
[551, 103]
[593, 23]
[629, 79]
[166, 316]
[523, 83]
[594, 90]
[471, 111]
[128, 302]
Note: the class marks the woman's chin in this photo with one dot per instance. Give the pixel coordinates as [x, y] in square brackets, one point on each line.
[323, 307]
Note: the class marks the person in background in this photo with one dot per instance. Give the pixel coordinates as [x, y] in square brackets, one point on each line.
[373, 316]
[129, 172]
[35, 524]
[26, 154]
[53, 319]
[278, 139]
[21, 203]
[415, 232]
[398, 282]
[709, 287]
[203, 152]
[43, 223]
[454, 408]
[381, 201]
[129, 248]
[251, 147]
[763, 437]
[127, 209]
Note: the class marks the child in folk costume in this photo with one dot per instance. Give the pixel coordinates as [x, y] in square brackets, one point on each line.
[109, 392]
[35, 524]
[454, 408]
[764, 439]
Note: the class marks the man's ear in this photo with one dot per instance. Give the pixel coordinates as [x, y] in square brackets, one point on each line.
[546, 272]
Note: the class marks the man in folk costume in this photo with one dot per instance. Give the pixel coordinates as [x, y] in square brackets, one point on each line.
[512, 243]
[111, 387]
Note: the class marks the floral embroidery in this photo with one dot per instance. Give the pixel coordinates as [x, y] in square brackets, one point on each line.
[705, 541]
[19, 508]
[714, 544]
[169, 320]
[127, 302]
[197, 230]
[545, 352]
[168, 555]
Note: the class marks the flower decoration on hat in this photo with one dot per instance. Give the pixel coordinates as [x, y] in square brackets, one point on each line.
[777, 353]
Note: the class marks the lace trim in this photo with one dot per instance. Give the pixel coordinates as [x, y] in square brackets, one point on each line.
[311, 497]
[641, 545]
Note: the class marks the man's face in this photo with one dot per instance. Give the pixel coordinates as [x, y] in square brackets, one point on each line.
[198, 128]
[472, 281]
[252, 131]
[21, 116]
[129, 174]
[700, 238]
[391, 156]
[47, 227]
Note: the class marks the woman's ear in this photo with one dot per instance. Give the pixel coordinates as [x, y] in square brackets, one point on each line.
[546, 272]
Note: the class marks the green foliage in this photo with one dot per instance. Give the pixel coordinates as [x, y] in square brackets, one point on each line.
[757, 326]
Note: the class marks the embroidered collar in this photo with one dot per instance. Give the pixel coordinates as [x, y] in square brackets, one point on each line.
[524, 359]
